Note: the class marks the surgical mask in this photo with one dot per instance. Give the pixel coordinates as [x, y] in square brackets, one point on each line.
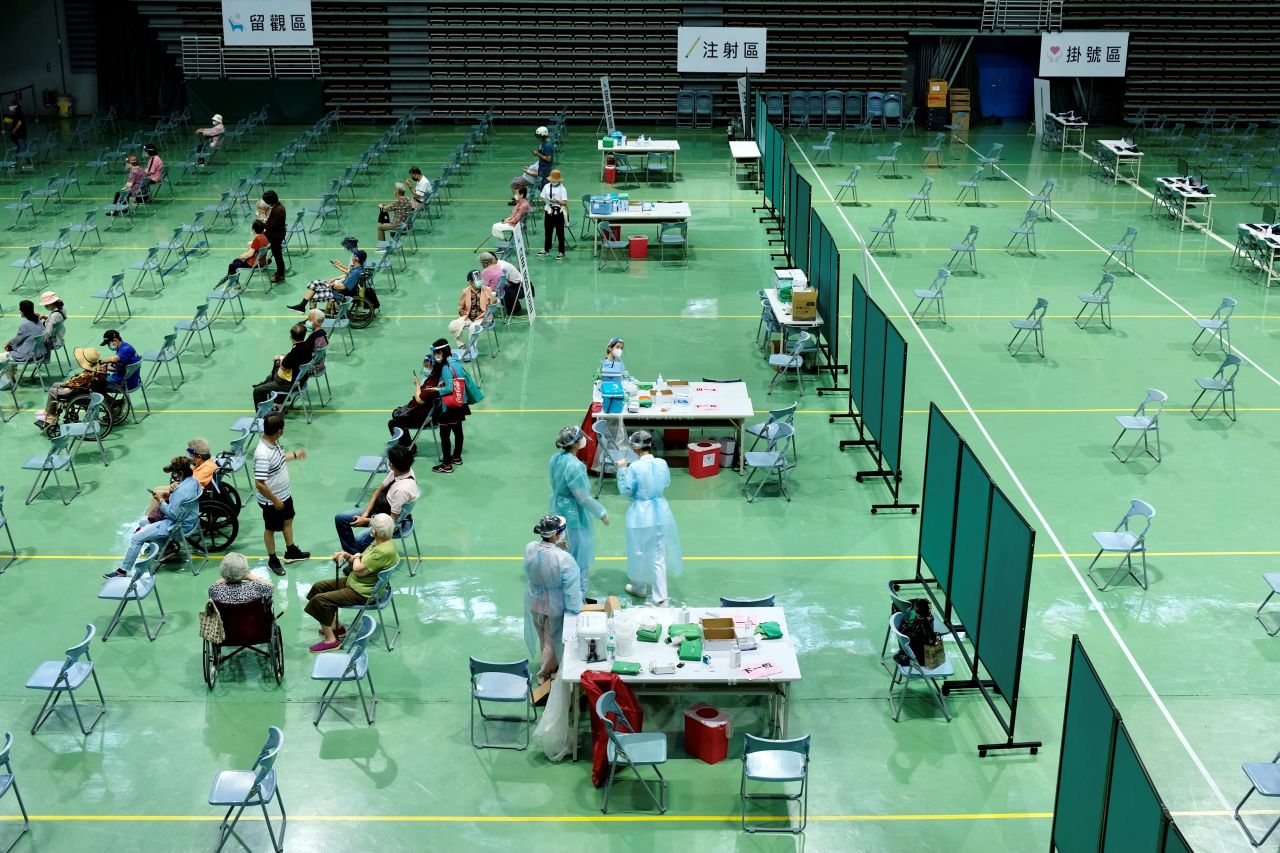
[617, 352]
[582, 443]
[439, 357]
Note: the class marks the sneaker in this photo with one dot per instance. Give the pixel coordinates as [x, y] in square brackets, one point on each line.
[273, 563]
[301, 307]
[118, 573]
[560, 257]
[294, 554]
[636, 590]
[325, 647]
[666, 602]
[457, 460]
[542, 254]
[443, 468]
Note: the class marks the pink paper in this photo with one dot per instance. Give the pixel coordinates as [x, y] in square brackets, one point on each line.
[762, 670]
[707, 407]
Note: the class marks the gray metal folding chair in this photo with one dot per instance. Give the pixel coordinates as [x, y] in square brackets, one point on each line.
[1032, 327]
[889, 159]
[920, 200]
[772, 462]
[9, 783]
[1044, 198]
[1221, 387]
[1025, 233]
[1128, 538]
[913, 670]
[849, 185]
[1218, 325]
[933, 295]
[1098, 303]
[1122, 251]
[139, 584]
[973, 186]
[505, 683]
[352, 665]
[965, 247]
[1145, 420]
[884, 229]
[776, 762]
[631, 749]
[257, 786]
[67, 676]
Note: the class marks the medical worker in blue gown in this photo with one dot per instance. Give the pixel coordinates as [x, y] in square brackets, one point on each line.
[653, 543]
[552, 592]
[571, 498]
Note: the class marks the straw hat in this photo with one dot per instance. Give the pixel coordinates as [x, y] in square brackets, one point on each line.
[555, 175]
[86, 357]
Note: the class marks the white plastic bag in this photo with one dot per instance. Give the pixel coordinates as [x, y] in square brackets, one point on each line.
[552, 733]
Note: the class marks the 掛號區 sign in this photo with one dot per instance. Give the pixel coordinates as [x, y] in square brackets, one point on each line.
[1084, 54]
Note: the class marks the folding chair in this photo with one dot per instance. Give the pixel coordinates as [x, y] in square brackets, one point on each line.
[1044, 198]
[992, 160]
[197, 230]
[506, 683]
[138, 585]
[375, 465]
[973, 185]
[1219, 324]
[67, 676]
[849, 185]
[885, 229]
[791, 361]
[21, 206]
[1026, 233]
[336, 325]
[822, 150]
[1097, 303]
[1125, 540]
[298, 228]
[1273, 581]
[674, 235]
[4, 525]
[167, 354]
[58, 457]
[935, 148]
[779, 762]
[933, 295]
[1031, 327]
[57, 245]
[28, 265]
[9, 783]
[966, 247]
[608, 245]
[1146, 422]
[631, 749]
[228, 292]
[890, 159]
[199, 324]
[610, 450]
[913, 670]
[90, 427]
[150, 265]
[1221, 386]
[85, 228]
[920, 200]
[1123, 249]
[339, 667]
[257, 786]
[773, 462]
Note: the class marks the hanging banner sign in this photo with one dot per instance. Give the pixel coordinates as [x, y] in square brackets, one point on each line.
[742, 104]
[1084, 54]
[721, 50]
[267, 23]
[607, 97]
[522, 260]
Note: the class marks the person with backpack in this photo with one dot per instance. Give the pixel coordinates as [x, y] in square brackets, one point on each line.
[457, 392]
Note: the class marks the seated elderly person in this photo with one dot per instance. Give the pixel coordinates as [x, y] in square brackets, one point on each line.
[92, 375]
[326, 596]
[398, 488]
[134, 186]
[284, 368]
[492, 271]
[391, 216]
[339, 287]
[203, 467]
[235, 586]
[181, 510]
[473, 305]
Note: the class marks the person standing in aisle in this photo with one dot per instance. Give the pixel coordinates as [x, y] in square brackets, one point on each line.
[653, 543]
[555, 202]
[275, 499]
[552, 591]
[277, 227]
[571, 498]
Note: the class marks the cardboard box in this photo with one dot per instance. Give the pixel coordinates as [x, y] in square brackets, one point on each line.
[718, 634]
[937, 93]
[804, 304]
[609, 605]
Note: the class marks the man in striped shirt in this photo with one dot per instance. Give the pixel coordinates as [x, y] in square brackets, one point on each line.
[271, 478]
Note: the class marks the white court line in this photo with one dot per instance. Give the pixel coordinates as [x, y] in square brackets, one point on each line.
[1040, 517]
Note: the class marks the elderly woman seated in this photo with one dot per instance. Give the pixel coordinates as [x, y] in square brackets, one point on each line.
[235, 586]
[326, 596]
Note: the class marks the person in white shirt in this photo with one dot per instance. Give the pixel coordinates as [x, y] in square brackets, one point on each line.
[421, 186]
[398, 488]
[212, 135]
[492, 270]
[555, 198]
[275, 498]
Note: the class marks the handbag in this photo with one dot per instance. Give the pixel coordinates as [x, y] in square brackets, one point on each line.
[934, 654]
[211, 628]
[456, 398]
[384, 217]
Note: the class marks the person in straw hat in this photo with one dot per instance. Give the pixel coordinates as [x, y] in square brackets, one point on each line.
[92, 375]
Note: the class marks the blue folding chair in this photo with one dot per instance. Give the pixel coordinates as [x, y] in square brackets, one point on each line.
[504, 683]
[139, 584]
[9, 783]
[257, 786]
[777, 762]
[630, 749]
[67, 676]
[338, 668]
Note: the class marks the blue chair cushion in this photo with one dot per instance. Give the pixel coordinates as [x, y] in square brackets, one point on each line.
[500, 687]
[1265, 777]
[774, 765]
[333, 667]
[117, 588]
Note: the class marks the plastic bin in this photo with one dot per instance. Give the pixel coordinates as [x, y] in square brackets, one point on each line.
[65, 107]
[639, 247]
[704, 459]
[728, 445]
[610, 174]
[706, 732]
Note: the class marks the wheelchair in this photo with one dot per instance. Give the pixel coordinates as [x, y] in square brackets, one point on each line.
[115, 410]
[249, 626]
[363, 305]
[219, 512]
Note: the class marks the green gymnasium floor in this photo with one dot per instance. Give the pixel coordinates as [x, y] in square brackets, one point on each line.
[1184, 660]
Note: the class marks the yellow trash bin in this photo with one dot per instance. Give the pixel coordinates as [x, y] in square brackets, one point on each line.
[64, 106]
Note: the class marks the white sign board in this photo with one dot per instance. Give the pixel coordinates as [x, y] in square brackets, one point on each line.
[267, 23]
[1084, 54]
[522, 261]
[1040, 93]
[721, 50]
[607, 96]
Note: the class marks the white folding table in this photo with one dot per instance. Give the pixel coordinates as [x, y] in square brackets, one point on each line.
[1068, 125]
[1120, 153]
[1181, 197]
[745, 152]
[657, 212]
[649, 146]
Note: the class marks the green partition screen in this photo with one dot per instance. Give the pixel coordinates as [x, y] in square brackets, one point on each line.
[873, 371]
[938, 503]
[857, 344]
[824, 274]
[1134, 814]
[1010, 546]
[799, 203]
[1173, 840]
[895, 368]
[968, 562]
[1088, 741]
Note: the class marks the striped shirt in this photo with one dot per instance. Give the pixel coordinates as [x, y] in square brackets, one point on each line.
[269, 467]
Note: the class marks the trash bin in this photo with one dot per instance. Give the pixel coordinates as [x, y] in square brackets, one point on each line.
[64, 106]
[706, 732]
[727, 447]
[704, 459]
[610, 174]
[639, 247]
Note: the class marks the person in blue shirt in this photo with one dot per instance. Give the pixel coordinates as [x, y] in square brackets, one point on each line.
[571, 498]
[181, 510]
[552, 592]
[123, 355]
[339, 287]
[546, 154]
[653, 543]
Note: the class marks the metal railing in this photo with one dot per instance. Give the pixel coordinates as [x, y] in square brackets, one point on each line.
[1022, 15]
[205, 57]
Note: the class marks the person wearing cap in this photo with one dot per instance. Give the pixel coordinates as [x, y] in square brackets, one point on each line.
[203, 467]
[398, 488]
[555, 206]
[653, 543]
[342, 286]
[277, 229]
[133, 186]
[154, 170]
[414, 414]
[553, 589]
[53, 321]
[493, 270]
[613, 355]
[212, 135]
[180, 509]
[444, 370]
[420, 185]
[393, 214]
[473, 306]
[92, 375]
[22, 346]
[326, 596]
[284, 368]
[123, 355]
[571, 497]
[546, 154]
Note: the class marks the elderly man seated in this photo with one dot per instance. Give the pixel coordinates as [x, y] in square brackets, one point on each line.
[326, 596]
[339, 287]
[181, 510]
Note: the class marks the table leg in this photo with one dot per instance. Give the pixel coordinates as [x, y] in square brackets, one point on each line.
[739, 431]
[602, 159]
[577, 718]
[786, 709]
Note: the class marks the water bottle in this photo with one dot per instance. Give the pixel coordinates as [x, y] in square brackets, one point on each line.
[611, 647]
[735, 657]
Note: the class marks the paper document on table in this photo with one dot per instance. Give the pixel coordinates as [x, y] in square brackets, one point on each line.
[707, 407]
[762, 670]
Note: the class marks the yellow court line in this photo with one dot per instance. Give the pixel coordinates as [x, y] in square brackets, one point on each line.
[835, 411]
[294, 316]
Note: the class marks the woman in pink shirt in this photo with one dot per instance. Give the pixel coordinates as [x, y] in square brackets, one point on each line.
[154, 170]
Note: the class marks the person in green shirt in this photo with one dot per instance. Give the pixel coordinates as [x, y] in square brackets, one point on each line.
[325, 597]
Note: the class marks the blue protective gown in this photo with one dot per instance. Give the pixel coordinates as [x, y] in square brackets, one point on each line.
[651, 527]
[552, 587]
[571, 498]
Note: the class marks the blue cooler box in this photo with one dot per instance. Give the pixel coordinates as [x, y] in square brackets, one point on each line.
[611, 398]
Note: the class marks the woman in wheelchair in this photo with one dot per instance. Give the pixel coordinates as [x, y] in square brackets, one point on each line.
[242, 606]
[235, 586]
[91, 379]
[339, 287]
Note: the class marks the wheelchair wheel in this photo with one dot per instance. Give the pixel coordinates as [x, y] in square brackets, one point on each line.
[218, 523]
[118, 404]
[209, 661]
[74, 411]
[228, 493]
[361, 312]
[277, 654]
